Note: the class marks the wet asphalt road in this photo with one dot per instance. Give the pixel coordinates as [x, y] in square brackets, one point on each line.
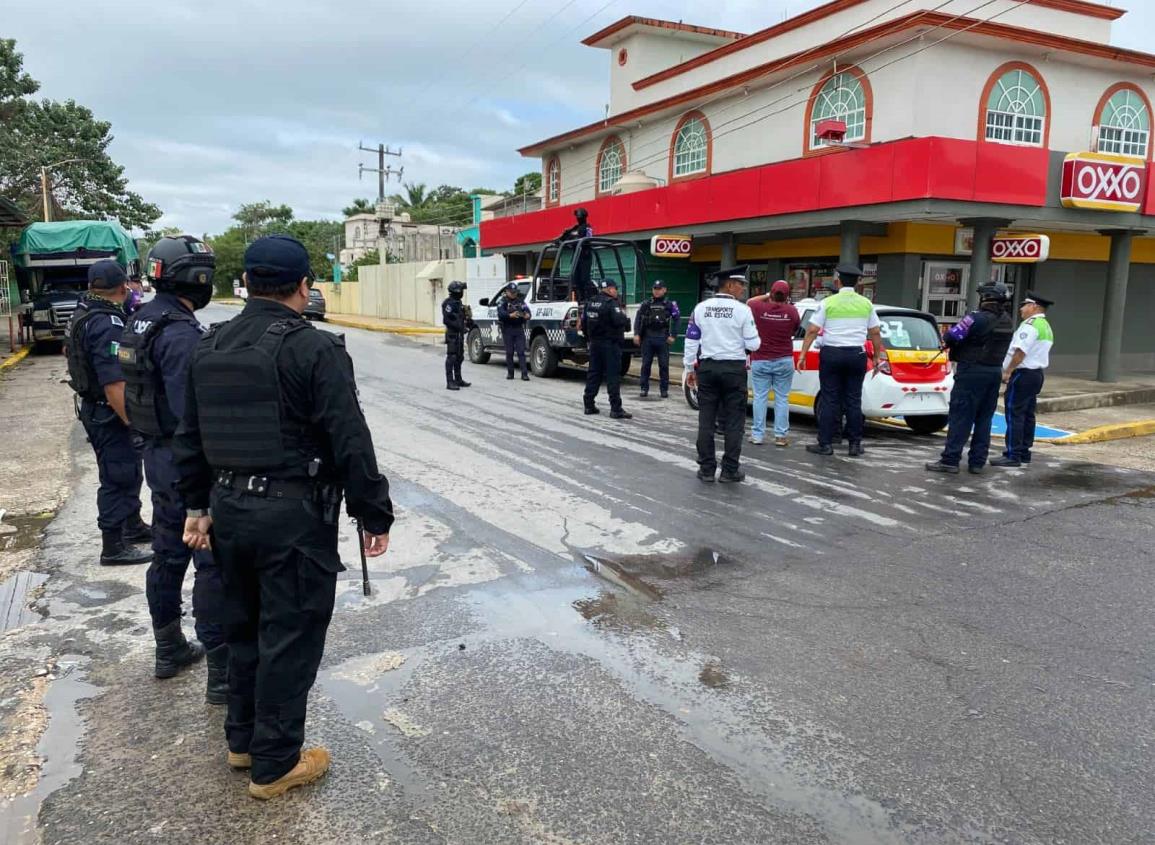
[572, 640]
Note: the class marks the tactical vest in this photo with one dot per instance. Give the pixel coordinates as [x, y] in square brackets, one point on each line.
[144, 397]
[658, 316]
[82, 375]
[991, 350]
[242, 420]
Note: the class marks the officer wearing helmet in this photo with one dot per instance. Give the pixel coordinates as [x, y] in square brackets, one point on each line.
[977, 344]
[458, 320]
[94, 373]
[273, 437]
[604, 322]
[155, 351]
[583, 287]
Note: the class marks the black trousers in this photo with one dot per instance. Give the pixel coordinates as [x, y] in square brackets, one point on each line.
[721, 395]
[454, 356]
[1022, 396]
[655, 346]
[605, 366]
[117, 463]
[841, 371]
[171, 556]
[279, 565]
[972, 406]
[514, 338]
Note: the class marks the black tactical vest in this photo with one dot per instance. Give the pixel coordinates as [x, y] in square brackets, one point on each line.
[991, 349]
[242, 421]
[81, 373]
[144, 397]
[658, 316]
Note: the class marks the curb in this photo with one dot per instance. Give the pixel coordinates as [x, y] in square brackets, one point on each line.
[376, 327]
[15, 358]
[1105, 399]
[1103, 433]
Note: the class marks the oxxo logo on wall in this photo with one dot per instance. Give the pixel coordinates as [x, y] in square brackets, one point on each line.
[1020, 249]
[671, 246]
[1103, 182]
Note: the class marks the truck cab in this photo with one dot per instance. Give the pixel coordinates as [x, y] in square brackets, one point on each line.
[563, 278]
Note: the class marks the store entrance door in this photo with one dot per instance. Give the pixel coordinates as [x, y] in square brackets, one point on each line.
[944, 289]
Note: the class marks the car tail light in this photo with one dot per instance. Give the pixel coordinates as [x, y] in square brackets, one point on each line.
[884, 368]
[570, 320]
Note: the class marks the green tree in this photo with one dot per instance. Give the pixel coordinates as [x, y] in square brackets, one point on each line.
[369, 258]
[529, 183]
[414, 198]
[39, 133]
[263, 218]
[321, 238]
[359, 206]
[229, 249]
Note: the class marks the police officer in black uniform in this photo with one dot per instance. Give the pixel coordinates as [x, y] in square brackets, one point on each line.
[583, 263]
[604, 323]
[155, 351]
[94, 373]
[272, 437]
[655, 329]
[512, 316]
[457, 320]
[977, 343]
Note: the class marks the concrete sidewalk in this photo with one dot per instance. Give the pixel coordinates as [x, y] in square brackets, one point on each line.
[1076, 392]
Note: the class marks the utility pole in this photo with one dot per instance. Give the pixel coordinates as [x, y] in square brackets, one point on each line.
[383, 173]
[44, 185]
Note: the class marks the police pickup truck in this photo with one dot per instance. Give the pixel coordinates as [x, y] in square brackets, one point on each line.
[564, 279]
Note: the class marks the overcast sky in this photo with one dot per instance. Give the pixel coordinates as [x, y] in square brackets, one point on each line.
[218, 102]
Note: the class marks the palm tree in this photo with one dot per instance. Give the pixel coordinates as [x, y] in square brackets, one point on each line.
[359, 206]
[416, 197]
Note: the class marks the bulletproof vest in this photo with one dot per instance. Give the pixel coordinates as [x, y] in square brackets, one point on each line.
[658, 317]
[242, 419]
[598, 320]
[144, 397]
[81, 373]
[990, 349]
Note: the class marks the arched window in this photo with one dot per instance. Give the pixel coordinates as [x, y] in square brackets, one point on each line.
[1124, 121]
[356, 233]
[611, 164]
[690, 155]
[553, 181]
[1016, 106]
[844, 96]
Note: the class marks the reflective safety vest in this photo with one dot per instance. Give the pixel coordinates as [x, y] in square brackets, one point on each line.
[144, 397]
[81, 373]
[243, 425]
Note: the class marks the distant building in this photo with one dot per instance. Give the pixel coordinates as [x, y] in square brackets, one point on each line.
[491, 207]
[405, 240]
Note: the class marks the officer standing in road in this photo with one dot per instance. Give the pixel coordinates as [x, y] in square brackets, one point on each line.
[155, 351]
[94, 373]
[1027, 359]
[512, 315]
[846, 320]
[655, 329]
[720, 337]
[271, 437]
[604, 324]
[977, 343]
[458, 320]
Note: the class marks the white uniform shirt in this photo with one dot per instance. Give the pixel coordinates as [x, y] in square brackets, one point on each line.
[1035, 338]
[720, 329]
[845, 318]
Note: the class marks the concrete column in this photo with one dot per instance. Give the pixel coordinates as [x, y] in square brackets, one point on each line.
[985, 228]
[729, 251]
[1114, 304]
[849, 233]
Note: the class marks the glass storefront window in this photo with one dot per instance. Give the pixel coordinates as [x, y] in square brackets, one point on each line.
[815, 279]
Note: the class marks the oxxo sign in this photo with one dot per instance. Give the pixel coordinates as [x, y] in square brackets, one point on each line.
[1103, 182]
[671, 246]
[1020, 249]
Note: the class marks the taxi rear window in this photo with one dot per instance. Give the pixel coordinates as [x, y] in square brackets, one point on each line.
[904, 331]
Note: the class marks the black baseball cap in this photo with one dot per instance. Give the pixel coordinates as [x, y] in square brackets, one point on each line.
[278, 257]
[106, 275]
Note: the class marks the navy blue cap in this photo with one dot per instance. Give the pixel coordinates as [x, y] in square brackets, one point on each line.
[278, 257]
[106, 275]
[608, 283]
[659, 284]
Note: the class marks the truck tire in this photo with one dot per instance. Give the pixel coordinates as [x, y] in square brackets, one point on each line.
[542, 357]
[476, 347]
[928, 424]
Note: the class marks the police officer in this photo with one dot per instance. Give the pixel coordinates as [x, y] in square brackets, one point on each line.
[583, 258]
[846, 320]
[94, 373]
[655, 329]
[155, 351]
[720, 336]
[456, 317]
[271, 437]
[977, 343]
[1027, 359]
[512, 315]
[604, 324]
[580, 229]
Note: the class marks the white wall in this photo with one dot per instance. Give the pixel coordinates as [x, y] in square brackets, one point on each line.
[649, 52]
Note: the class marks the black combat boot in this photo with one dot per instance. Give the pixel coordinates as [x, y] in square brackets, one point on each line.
[114, 551]
[451, 385]
[173, 651]
[136, 530]
[217, 676]
[457, 379]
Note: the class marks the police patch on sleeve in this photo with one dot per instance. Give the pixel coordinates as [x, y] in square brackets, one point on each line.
[116, 321]
[1023, 335]
[693, 332]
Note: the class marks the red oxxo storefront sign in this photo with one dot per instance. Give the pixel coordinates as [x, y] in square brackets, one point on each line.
[1020, 249]
[1103, 182]
[671, 246]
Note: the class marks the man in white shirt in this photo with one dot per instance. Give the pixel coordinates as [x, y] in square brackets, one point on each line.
[846, 320]
[720, 336]
[1023, 369]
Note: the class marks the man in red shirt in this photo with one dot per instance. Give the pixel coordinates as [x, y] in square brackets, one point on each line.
[772, 365]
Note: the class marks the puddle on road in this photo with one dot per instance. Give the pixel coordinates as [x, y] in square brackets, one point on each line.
[713, 676]
[16, 596]
[1135, 497]
[19, 533]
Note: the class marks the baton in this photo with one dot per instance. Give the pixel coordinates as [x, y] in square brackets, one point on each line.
[364, 562]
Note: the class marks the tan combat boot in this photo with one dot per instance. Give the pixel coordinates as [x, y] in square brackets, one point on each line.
[313, 764]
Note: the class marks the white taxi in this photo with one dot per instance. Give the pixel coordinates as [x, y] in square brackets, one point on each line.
[914, 388]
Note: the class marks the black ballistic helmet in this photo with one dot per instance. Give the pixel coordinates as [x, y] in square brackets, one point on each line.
[993, 292]
[457, 289]
[581, 214]
[183, 265]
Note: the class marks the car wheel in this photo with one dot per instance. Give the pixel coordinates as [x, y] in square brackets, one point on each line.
[928, 424]
[542, 357]
[476, 345]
